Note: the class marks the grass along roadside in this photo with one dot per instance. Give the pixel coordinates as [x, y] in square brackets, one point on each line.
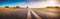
[46, 8]
[2, 9]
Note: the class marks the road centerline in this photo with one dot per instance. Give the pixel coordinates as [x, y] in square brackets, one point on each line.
[29, 14]
[37, 17]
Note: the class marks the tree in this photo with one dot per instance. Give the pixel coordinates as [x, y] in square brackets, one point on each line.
[17, 7]
[50, 7]
[26, 7]
[6, 6]
[56, 7]
[47, 7]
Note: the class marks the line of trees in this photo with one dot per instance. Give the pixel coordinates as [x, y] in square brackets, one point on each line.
[14, 7]
[52, 7]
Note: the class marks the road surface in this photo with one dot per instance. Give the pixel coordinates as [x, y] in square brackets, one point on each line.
[14, 14]
[28, 14]
[46, 14]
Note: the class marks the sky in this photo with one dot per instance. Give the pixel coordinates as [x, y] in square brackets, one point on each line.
[30, 3]
[12, 2]
[43, 4]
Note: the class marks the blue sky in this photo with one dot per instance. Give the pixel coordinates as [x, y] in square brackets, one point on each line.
[16, 2]
[30, 3]
[12, 2]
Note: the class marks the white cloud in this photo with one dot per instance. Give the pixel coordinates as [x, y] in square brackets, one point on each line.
[42, 4]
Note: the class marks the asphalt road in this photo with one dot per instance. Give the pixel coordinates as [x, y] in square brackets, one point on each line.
[46, 14]
[14, 14]
[29, 14]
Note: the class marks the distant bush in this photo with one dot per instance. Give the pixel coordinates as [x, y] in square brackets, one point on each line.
[52, 7]
[6, 6]
[17, 7]
[27, 7]
[49, 7]
[57, 7]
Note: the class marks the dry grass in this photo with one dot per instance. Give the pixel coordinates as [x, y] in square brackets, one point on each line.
[52, 9]
[1, 9]
[46, 8]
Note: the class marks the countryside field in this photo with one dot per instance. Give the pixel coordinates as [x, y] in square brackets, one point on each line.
[46, 8]
[2, 9]
[22, 14]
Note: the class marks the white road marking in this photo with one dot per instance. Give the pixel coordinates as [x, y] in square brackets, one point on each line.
[29, 15]
[37, 17]
[49, 14]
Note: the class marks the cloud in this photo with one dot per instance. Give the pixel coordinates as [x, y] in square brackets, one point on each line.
[42, 4]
